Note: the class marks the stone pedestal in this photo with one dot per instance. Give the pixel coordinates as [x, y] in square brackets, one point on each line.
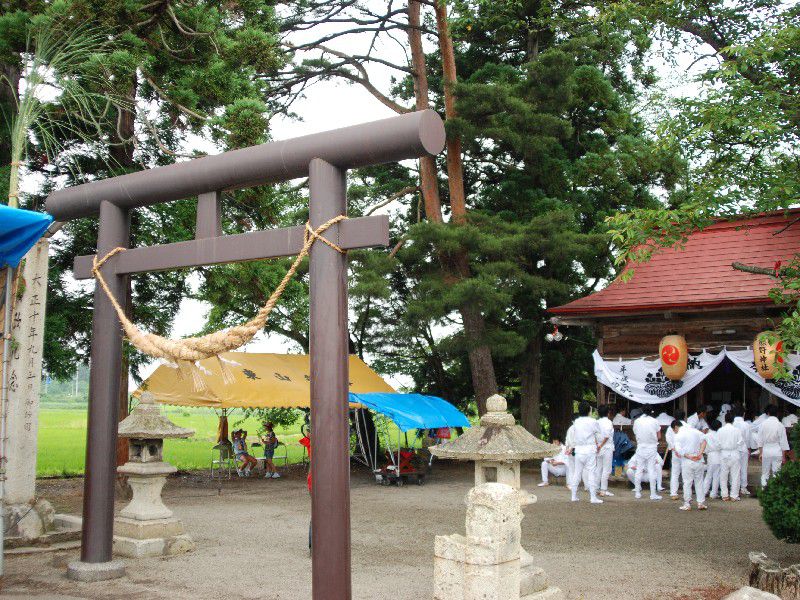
[146, 527]
[489, 563]
[29, 520]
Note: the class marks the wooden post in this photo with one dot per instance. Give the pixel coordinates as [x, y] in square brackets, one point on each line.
[601, 395]
[330, 463]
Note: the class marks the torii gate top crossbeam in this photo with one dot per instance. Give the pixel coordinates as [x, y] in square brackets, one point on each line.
[398, 138]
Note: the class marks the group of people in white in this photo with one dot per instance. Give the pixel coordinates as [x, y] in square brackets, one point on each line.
[710, 460]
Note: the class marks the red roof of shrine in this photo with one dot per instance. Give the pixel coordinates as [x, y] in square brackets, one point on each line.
[700, 274]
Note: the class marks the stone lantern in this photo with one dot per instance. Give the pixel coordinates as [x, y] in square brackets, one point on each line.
[497, 446]
[146, 527]
[489, 563]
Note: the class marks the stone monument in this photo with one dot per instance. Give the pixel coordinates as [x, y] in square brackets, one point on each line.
[146, 527]
[489, 563]
[24, 515]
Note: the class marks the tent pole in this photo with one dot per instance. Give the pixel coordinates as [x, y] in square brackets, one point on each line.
[4, 402]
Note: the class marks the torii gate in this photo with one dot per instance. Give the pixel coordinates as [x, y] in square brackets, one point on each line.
[325, 159]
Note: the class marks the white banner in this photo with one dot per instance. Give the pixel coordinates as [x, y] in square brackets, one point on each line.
[643, 380]
[788, 389]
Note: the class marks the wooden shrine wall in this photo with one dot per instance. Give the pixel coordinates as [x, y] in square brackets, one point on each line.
[640, 336]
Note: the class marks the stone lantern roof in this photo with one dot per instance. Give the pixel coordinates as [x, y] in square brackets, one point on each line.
[146, 422]
[497, 439]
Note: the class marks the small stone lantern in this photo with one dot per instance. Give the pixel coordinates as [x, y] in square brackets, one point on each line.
[497, 446]
[489, 562]
[146, 527]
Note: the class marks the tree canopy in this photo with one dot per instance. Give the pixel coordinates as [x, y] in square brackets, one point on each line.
[559, 166]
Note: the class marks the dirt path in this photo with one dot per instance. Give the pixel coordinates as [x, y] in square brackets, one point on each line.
[624, 549]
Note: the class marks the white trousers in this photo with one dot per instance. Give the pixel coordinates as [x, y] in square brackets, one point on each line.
[770, 465]
[692, 473]
[711, 484]
[549, 468]
[675, 475]
[604, 460]
[570, 466]
[647, 459]
[744, 458]
[730, 470]
[586, 469]
[631, 473]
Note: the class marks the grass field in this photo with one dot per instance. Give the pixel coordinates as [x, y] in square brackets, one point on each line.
[62, 439]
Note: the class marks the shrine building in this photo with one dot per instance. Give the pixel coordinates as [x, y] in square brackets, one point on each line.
[695, 292]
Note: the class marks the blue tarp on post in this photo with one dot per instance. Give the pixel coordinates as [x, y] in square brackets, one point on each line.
[19, 231]
[413, 411]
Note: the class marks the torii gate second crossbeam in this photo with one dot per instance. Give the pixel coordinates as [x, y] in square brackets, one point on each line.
[325, 159]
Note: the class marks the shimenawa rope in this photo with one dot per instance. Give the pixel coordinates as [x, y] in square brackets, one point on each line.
[185, 352]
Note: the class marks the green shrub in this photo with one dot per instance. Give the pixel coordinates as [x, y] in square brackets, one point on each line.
[780, 503]
[794, 435]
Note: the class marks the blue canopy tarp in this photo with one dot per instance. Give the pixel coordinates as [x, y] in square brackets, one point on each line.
[413, 411]
[19, 231]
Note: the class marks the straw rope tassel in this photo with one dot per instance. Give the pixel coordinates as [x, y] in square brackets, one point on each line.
[185, 352]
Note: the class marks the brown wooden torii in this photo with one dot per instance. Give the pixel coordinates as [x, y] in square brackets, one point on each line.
[325, 159]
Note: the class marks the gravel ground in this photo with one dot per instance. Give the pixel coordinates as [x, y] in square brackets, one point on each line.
[251, 543]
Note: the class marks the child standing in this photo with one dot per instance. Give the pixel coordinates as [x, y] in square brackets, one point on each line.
[270, 441]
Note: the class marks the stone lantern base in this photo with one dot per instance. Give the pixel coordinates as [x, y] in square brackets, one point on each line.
[159, 537]
[146, 527]
[489, 562]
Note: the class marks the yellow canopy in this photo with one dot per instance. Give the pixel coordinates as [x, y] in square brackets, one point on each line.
[261, 381]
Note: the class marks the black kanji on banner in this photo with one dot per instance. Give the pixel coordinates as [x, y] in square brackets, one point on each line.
[790, 387]
[657, 384]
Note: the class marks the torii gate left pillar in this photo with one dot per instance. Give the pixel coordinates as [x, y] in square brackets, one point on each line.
[325, 159]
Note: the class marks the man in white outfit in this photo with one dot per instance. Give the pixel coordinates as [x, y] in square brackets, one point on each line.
[714, 462]
[675, 468]
[729, 439]
[722, 411]
[587, 434]
[605, 452]
[744, 449]
[772, 444]
[569, 443]
[698, 420]
[691, 444]
[621, 418]
[647, 432]
[556, 465]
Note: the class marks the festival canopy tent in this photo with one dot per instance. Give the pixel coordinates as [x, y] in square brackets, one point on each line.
[19, 231]
[412, 411]
[260, 381]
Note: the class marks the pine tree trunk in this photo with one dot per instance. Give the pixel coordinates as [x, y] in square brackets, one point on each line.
[429, 181]
[561, 404]
[484, 381]
[455, 171]
[531, 386]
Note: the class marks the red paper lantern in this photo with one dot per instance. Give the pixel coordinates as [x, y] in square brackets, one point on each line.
[674, 356]
[766, 353]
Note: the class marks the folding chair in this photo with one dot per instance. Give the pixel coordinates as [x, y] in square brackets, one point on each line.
[222, 459]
